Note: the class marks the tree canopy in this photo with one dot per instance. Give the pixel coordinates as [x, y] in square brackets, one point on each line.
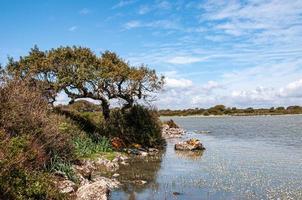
[80, 73]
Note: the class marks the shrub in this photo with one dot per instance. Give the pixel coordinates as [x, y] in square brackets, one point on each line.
[30, 138]
[23, 111]
[20, 184]
[171, 124]
[137, 124]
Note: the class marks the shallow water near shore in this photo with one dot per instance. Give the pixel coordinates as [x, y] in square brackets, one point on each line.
[257, 157]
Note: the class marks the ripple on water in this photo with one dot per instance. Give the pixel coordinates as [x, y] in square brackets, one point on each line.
[246, 158]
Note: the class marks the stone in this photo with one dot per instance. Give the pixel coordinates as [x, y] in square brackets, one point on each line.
[140, 182]
[85, 168]
[189, 145]
[93, 191]
[169, 132]
[111, 183]
[144, 154]
[115, 175]
[109, 165]
[66, 186]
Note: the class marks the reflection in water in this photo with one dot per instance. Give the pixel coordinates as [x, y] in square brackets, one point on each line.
[141, 173]
[190, 155]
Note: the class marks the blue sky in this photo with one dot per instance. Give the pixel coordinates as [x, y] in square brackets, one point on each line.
[237, 53]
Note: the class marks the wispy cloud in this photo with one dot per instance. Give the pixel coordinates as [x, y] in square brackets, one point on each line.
[163, 24]
[85, 11]
[72, 28]
[123, 3]
[184, 60]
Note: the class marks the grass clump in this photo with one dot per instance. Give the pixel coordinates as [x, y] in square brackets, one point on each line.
[86, 147]
[57, 164]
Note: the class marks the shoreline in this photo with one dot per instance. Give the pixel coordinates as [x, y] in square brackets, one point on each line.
[223, 116]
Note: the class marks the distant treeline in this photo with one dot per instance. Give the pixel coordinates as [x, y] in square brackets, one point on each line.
[223, 110]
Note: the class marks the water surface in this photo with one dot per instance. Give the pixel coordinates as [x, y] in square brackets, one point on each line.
[245, 158]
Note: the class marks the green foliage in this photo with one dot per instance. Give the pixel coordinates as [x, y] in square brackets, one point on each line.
[58, 164]
[20, 184]
[81, 74]
[136, 125]
[86, 147]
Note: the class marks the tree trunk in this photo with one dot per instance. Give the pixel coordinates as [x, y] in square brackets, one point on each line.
[106, 110]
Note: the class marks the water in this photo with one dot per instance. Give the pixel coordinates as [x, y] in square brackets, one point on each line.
[245, 158]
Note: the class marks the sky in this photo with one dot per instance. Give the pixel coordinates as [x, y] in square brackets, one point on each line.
[236, 53]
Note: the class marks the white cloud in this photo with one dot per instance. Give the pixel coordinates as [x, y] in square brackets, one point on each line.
[269, 21]
[293, 89]
[211, 85]
[184, 60]
[163, 24]
[73, 28]
[133, 24]
[123, 3]
[178, 83]
[144, 9]
[84, 11]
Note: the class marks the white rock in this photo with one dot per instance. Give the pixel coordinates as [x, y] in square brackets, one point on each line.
[66, 186]
[93, 191]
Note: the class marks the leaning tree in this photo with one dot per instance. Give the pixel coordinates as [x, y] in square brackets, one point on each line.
[81, 74]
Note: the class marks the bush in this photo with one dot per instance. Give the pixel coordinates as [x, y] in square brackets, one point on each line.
[30, 138]
[135, 125]
[23, 111]
[20, 184]
[171, 124]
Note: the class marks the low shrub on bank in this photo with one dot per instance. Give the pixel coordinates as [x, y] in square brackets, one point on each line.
[171, 124]
[30, 138]
[135, 125]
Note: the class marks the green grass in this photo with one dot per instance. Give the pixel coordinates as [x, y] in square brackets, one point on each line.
[86, 148]
[57, 164]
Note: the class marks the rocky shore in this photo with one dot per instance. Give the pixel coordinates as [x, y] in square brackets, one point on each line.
[89, 184]
[96, 178]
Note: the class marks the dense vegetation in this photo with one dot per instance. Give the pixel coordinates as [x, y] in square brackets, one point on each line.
[39, 138]
[222, 110]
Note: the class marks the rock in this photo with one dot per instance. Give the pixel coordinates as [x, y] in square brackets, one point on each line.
[85, 168]
[189, 145]
[66, 186]
[142, 153]
[111, 183]
[140, 182]
[109, 165]
[124, 163]
[170, 132]
[120, 158]
[115, 175]
[93, 191]
[153, 150]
